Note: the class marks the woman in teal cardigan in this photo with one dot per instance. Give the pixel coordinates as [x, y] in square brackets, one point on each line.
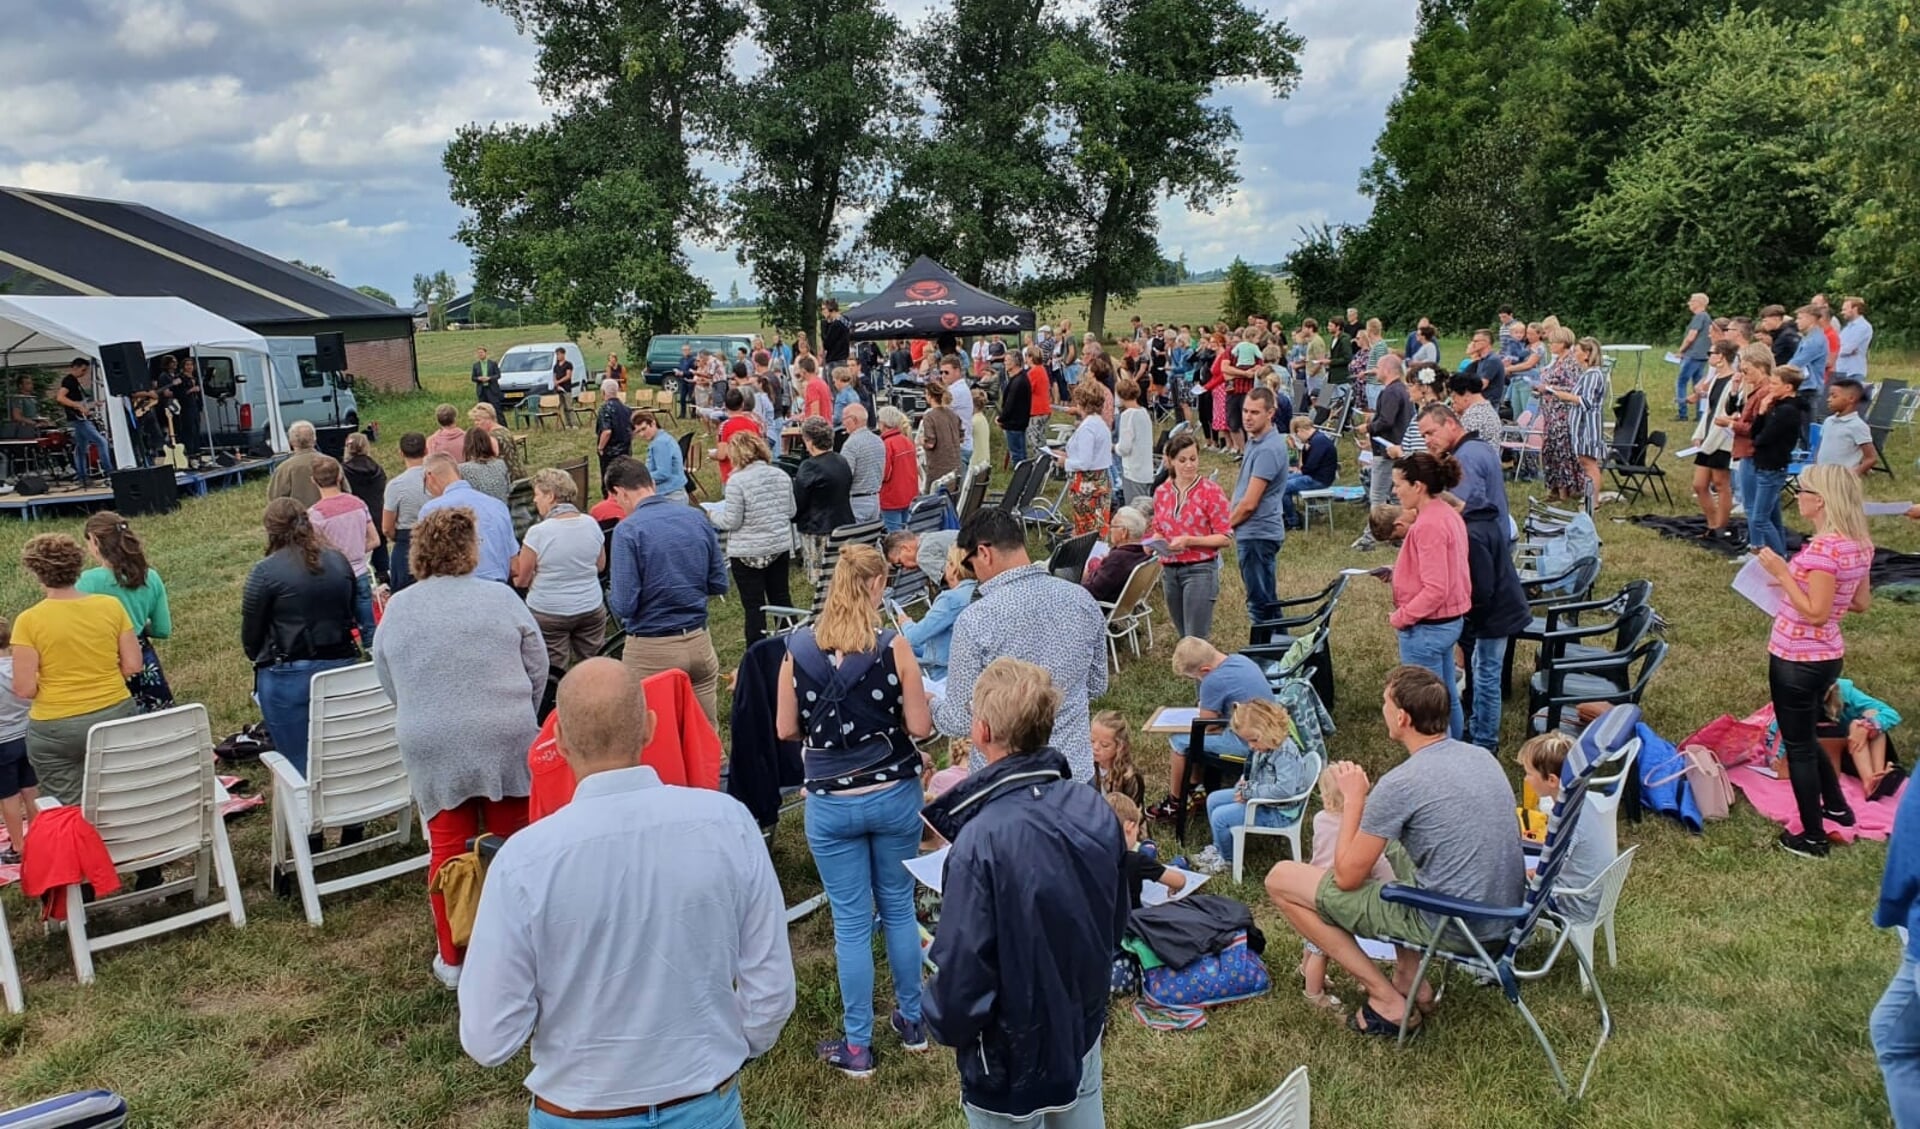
[122, 572]
[1854, 735]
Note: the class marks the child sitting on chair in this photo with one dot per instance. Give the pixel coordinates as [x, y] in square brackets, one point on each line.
[1276, 769]
[1137, 867]
[1541, 760]
[1326, 836]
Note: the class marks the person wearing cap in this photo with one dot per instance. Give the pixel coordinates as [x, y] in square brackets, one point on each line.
[75, 397]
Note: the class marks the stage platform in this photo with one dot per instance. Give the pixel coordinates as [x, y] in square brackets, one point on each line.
[192, 483]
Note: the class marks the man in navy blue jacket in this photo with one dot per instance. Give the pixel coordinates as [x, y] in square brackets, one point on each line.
[1022, 996]
[1319, 465]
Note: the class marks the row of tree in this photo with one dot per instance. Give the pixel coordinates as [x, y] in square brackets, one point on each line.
[1602, 159]
[1025, 147]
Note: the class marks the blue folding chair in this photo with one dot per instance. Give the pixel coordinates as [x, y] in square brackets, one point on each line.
[1609, 738]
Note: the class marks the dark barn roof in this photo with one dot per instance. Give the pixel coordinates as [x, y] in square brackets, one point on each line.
[79, 245]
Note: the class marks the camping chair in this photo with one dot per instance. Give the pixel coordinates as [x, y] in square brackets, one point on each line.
[784, 619]
[1130, 614]
[1605, 891]
[973, 493]
[1286, 1108]
[1069, 559]
[85, 1109]
[1523, 439]
[1633, 480]
[1008, 500]
[908, 587]
[1453, 915]
[929, 513]
[354, 776]
[1289, 831]
[1553, 694]
[1048, 517]
[692, 456]
[1882, 414]
[1573, 584]
[150, 793]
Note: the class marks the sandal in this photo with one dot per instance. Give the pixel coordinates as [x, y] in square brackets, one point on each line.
[1326, 1001]
[1370, 1022]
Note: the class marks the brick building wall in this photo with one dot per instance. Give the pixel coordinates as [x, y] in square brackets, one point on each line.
[386, 364]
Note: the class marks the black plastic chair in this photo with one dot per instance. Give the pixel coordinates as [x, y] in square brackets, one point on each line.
[1611, 679]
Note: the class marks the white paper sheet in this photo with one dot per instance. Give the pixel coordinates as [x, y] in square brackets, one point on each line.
[1753, 582]
[1383, 570]
[1674, 359]
[1156, 894]
[936, 687]
[929, 868]
[1377, 950]
[1887, 509]
[1175, 717]
[1686, 453]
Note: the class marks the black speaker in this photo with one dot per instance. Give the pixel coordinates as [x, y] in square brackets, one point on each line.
[148, 490]
[332, 351]
[126, 368]
[332, 441]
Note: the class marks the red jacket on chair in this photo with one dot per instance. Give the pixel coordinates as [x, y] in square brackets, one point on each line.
[62, 848]
[685, 749]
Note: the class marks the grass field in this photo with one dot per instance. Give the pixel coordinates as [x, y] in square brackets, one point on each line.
[1741, 999]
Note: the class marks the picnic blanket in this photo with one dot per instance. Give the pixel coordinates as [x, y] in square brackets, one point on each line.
[1898, 573]
[232, 807]
[1773, 798]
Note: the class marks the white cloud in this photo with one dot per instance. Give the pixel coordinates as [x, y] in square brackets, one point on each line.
[315, 129]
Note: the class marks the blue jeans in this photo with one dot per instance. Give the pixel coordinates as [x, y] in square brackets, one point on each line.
[893, 519]
[1487, 662]
[1683, 382]
[1431, 645]
[284, 691]
[1896, 1043]
[87, 437]
[1017, 446]
[1257, 556]
[1296, 483]
[1763, 511]
[718, 1110]
[859, 843]
[1225, 813]
[363, 609]
[1088, 1110]
[1742, 481]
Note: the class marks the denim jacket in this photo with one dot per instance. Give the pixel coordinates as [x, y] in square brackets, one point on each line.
[932, 634]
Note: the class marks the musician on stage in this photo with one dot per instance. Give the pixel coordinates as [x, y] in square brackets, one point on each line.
[75, 397]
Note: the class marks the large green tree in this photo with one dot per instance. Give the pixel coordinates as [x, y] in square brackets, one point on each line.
[586, 214]
[1723, 189]
[975, 187]
[1869, 90]
[810, 126]
[1133, 87]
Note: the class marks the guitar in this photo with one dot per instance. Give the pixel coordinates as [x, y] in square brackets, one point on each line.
[176, 452]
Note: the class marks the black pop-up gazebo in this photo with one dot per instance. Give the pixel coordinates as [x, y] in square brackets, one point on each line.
[927, 300]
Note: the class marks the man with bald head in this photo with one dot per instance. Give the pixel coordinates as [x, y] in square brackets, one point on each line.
[645, 974]
[1385, 426]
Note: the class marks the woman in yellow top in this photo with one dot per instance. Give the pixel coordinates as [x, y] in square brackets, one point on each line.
[72, 655]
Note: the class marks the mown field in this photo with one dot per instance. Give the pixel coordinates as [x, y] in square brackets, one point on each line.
[1742, 996]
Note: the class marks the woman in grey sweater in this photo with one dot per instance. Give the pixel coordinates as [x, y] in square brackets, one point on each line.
[466, 667]
[758, 519]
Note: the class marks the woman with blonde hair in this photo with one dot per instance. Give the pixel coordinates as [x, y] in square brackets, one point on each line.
[464, 662]
[1825, 580]
[1559, 396]
[757, 516]
[73, 653]
[852, 694]
[1593, 390]
[559, 564]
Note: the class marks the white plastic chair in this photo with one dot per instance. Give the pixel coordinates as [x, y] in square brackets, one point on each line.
[1607, 889]
[1290, 832]
[150, 792]
[1131, 614]
[354, 776]
[10, 971]
[1603, 798]
[1286, 1108]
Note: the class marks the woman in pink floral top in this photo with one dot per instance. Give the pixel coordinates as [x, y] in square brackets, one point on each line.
[1190, 515]
[1826, 579]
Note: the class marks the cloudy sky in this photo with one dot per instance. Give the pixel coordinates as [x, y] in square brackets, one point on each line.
[312, 129]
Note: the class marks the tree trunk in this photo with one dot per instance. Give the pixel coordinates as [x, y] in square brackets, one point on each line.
[1097, 307]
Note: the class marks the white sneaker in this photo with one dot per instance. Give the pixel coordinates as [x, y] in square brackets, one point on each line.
[1738, 510]
[447, 974]
[1208, 861]
[1743, 558]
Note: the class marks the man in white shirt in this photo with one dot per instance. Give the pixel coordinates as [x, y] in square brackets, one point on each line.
[646, 973]
[1856, 334]
[954, 377]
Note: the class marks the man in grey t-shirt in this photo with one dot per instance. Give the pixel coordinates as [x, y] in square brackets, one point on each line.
[1444, 821]
[400, 507]
[1258, 517]
[1693, 353]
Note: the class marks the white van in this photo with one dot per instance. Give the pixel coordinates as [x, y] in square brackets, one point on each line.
[527, 370]
[236, 387]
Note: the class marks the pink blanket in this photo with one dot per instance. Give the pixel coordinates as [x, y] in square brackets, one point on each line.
[1774, 799]
[234, 806]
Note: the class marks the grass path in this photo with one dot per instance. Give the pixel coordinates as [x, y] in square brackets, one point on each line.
[1742, 996]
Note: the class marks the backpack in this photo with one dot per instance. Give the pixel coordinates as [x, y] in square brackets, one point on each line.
[1176, 999]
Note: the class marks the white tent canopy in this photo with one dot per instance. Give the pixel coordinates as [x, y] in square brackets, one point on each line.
[45, 330]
